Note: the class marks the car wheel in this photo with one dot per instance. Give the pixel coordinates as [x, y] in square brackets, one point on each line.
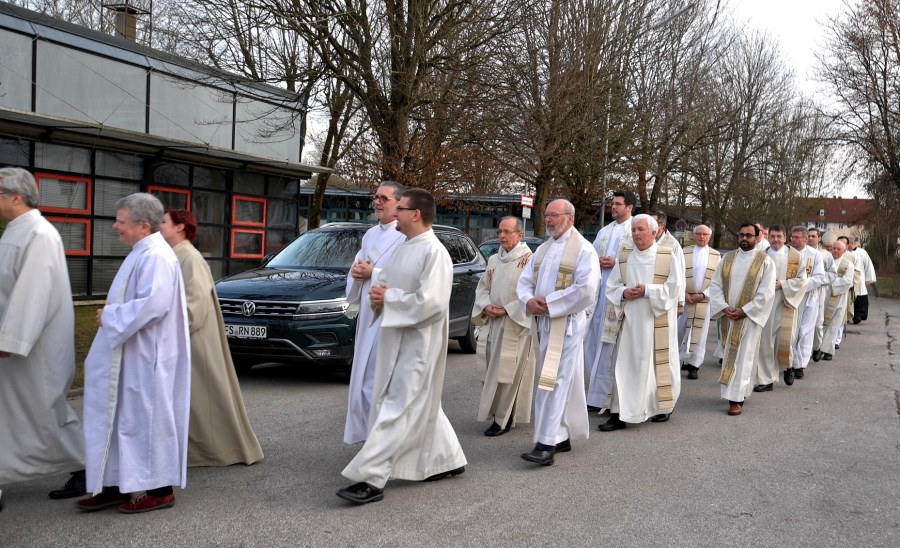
[468, 343]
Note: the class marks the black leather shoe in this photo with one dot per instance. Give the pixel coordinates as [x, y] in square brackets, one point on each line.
[837, 347]
[447, 474]
[361, 493]
[799, 373]
[593, 409]
[612, 424]
[817, 355]
[763, 387]
[563, 447]
[497, 430]
[789, 376]
[662, 417]
[75, 487]
[544, 458]
[692, 372]
[827, 357]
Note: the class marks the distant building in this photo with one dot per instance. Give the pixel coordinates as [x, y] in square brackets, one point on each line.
[843, 216]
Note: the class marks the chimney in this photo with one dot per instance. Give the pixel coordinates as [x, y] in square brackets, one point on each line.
[126, 24]
[125, 15]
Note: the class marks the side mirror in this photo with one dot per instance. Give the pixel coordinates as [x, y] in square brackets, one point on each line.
[265, 260]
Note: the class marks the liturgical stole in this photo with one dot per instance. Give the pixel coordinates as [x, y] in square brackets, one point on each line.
[696, 313]
[733, 329]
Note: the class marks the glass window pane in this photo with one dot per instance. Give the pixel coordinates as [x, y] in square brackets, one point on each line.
[104, 272]
[283, 188]
[64, 193]
[14, 152]
[74, 235]
[122, 166]
[171, 199]
[169, 174]
[62, 158]
[107, 193]
[321, 249]
[78, 267]
[210, 241]
[247, 243]
[276, 240]
[105, 241]
[247, 211]
[282, 214]
[208, 207]
[207, 177]
[249, 183]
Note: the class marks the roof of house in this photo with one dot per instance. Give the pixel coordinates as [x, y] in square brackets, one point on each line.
[849, 211]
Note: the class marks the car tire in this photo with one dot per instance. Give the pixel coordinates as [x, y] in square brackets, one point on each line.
[468, 343]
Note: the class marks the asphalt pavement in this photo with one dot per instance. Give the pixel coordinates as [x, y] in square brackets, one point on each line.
[815, 464]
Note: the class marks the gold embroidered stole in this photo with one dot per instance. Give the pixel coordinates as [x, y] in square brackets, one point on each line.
[564, 278]
[734, 329]
[831, 305]
[509, 344]
[696, 313]
[786, 333]
[661, 362]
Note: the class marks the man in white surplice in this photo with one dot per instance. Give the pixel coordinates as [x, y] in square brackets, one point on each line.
[814, 239]
[741, 293]
[836, 305]
[559, 283]
[409, 436]
[861, 304]
[809, 308]
[507, 355]
[610, 241]
[701, 259]
[378, 245]
[137, 378]
[39, 432]
[644, 290]
[776, 338]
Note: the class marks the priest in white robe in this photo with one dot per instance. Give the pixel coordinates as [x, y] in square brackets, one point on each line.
[138, 373]
[39, 432]
[762, 240]
[645, 289]
[507, 355]
[814, 240]
[378, 245]
[777, 336]
[558, 285]
[836, 305]
[409, 436]
[701, 262]
[809, 308]
[867, 278]
[609, 243]
[741, 293]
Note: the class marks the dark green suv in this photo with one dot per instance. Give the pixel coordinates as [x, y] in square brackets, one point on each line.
[294, 309]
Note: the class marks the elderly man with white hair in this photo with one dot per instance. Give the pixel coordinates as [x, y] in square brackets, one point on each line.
[700, 263]
[836, 304]
[643, 294]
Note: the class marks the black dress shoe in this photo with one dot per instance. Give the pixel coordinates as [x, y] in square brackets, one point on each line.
[798, 373]
[75, 487]
[788, 376]
[684, 366]
[361, 493]
[447, 474]
[662, 417]
[837, 347]
[563, 447]
[817, 355]
[593, 409]
[827, 357]
[497, 430]
[612, 424]
[537, 456]
[692, 372]
[763, 387]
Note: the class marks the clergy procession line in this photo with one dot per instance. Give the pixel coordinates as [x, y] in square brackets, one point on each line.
[161, 393]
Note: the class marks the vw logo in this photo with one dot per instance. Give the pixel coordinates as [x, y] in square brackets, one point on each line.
[248, 308]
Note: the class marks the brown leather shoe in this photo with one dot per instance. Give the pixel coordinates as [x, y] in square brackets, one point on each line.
[734, 409]
[108, 497]
[147, 503]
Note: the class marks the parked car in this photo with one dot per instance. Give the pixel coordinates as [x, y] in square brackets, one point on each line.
[492, 245]
[294, 309]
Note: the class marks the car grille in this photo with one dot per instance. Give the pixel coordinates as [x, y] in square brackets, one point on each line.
[264, 309]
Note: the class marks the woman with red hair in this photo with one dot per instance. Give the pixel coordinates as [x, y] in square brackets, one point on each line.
[219, 432]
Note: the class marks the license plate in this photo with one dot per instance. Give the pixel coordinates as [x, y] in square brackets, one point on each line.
[246, 331]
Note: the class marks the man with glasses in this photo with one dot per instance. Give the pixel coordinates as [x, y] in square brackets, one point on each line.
[409, 436]
[741, 294]
[809, 308]
[609, 243]
[559, 283]
[509, 374]
[378, 245]
[39, 432]
[700, 263]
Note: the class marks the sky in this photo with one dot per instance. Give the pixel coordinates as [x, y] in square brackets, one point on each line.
[798, 27]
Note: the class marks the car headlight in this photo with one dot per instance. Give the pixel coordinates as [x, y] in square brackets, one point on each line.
[321, 310]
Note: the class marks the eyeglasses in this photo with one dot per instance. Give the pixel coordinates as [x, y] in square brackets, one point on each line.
[555, 215]
[506, 232]
[380, 198]
[746, 235]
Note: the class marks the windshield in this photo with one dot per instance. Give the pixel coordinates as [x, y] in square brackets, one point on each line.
[320, 249]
